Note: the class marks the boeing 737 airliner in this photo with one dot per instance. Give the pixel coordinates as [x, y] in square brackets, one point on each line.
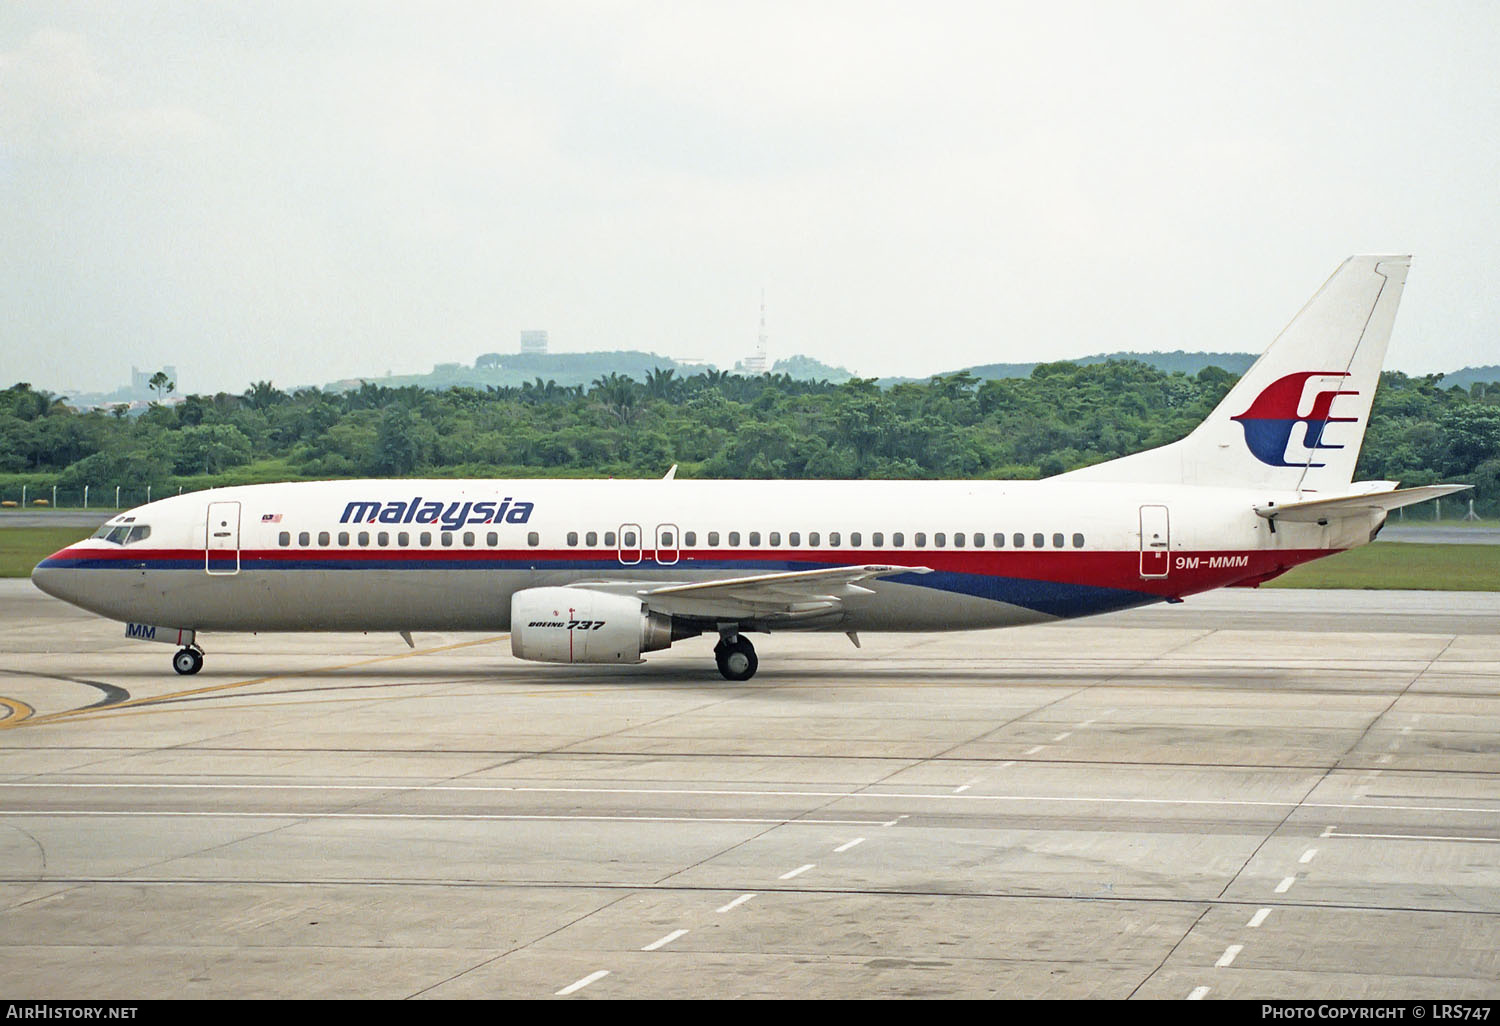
[602, 571]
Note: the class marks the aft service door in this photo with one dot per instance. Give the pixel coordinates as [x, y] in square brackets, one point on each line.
[1156, 549]
[221, 547]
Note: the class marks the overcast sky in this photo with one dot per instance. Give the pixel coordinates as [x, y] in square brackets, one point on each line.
[307, 191]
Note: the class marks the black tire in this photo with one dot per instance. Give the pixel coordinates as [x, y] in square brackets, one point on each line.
[736, 660]
[187, 661]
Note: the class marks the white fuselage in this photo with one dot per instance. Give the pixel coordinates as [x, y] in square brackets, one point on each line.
[450, 554]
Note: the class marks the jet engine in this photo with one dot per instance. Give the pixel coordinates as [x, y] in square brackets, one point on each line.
[575, 625]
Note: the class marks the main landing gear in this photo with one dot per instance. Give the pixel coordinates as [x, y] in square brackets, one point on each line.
[188, 661]
[736, 657]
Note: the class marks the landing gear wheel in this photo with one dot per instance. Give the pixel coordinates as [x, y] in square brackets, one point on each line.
[736, 659]
[187, 661]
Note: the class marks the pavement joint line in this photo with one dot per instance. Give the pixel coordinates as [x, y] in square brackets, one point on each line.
[488, 817]
[939, 796]
[743, 793]
[1423, 837]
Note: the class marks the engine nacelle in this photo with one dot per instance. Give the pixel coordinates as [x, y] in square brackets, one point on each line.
[575, 625]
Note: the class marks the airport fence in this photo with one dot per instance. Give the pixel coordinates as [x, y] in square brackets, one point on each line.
[37, 496]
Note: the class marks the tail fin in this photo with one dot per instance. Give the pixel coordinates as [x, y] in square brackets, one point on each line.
[1296, 420]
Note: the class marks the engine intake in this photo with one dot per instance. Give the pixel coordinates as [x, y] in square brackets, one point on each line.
[575, 625]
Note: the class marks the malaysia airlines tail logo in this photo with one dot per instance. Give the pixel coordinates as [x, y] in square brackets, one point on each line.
[1272, 417]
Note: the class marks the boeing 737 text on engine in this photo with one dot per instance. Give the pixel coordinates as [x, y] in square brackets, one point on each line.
[604, 571]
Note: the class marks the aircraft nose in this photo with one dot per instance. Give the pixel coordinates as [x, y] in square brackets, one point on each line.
[54, 576]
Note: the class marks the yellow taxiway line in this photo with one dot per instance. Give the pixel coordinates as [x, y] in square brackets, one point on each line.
[23, 715]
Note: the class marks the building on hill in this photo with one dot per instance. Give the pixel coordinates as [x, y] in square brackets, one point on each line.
[534, 342]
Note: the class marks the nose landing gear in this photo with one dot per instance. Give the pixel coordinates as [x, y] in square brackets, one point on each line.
[188, 661]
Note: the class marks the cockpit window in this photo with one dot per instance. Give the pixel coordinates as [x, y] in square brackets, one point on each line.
[123, 534]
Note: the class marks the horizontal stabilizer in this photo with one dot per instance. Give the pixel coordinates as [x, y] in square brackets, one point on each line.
[1317, 510]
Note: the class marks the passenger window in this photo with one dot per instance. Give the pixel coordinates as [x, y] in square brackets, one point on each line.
[284, 538]
[1038, 541]
[854, 538]
[690, 538]
[469, 539]
[1078, 541]
[958, 539]
[1057, 541]
[343, 537]
[609, 538]
[940, 539]
[447, 538]
[978, 540]
[666, 540]
[713, 538]
[425, 538]
[898, 539]
[403, 539]
[492, 539]
[591, 539]
[322, 537]
[572, 537]
[775, 537]
[877, 539]
[921, 540]
[533, 539]
[383, 538]
[630, 542]
[754, 537]
[812, 539]
[303, 539]
[364, 537]
[999, 541]
[794, 539]
[833, 539]
[734, 539]
[1018, 540]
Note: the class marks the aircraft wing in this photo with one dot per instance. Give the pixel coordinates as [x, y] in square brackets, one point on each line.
[794, 594]
[1318, 510]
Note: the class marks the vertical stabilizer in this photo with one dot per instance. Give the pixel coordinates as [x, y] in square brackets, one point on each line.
[1296, 420]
